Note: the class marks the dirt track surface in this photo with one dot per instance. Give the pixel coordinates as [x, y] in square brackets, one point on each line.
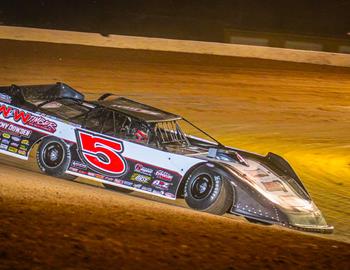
[64, 224]
[298, 111]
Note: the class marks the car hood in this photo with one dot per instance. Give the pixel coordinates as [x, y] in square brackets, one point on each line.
[279, 190]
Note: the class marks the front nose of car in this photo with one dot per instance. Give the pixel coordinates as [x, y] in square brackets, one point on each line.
[309, 221]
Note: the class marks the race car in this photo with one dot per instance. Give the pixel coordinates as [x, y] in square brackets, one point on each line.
[128, 145]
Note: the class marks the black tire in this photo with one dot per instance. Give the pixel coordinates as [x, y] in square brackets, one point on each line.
[119, 189]
[207, 190]
[53, 157]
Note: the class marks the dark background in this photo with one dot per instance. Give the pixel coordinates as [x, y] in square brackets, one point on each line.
[182, 19]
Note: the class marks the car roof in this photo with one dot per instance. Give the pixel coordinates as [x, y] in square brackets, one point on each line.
[138, 110]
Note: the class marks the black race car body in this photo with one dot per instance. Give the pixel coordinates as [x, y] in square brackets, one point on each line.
[132, 146]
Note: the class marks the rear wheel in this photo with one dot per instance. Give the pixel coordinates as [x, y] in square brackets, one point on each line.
[53, 157]
[208, 191]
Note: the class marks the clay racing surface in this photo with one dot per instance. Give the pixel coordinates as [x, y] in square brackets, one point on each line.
[299, 111]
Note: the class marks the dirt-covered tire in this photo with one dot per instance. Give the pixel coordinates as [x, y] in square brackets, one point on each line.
[119, 189]
[207, 190]
[53, 157]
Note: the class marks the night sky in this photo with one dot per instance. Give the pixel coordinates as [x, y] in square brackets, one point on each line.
[185, 19]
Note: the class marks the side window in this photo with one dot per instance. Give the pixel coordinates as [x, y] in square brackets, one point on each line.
[108, 126]
[132, 130]
[123, 125]
[95, 119]
[118, 125]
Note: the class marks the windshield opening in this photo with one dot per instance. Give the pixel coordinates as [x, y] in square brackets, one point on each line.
[170, 132]
[182, 133]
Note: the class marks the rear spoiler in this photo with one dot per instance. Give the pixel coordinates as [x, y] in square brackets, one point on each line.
[30, 94]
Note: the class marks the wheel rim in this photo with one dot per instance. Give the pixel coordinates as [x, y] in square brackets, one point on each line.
[53, 154]
[202, 186]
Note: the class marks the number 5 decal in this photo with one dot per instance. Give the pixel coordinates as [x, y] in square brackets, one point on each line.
[101, 153]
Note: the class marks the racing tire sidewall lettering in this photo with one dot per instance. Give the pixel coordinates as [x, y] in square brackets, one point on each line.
[218, 200]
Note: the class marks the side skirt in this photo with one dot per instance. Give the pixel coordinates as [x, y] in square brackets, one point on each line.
[118, 185]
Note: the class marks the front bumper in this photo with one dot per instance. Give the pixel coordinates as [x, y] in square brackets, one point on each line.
[312, 221]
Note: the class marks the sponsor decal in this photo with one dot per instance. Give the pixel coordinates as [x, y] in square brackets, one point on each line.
[3, 146]
[21, 152]
[25, 142]
[99, 176]
[83, 172]
[257, 173]
[142, 169]
[42, 123]
[6, 135]
[170, 195]
[91, 174]
[161, 184]
[15, 139]
[137, 185]
[159, 192]
[78, 164]
[147, 189]
[144, 179]
[241, 159]
[14, 144]
[101, 153]
[5, 98]
[217, 178]
[52, 105]
[163, 175]
[13, 128]
[120, 182]
[12, 149]
[19, 130]
[28, 119]
[274, 185]
[73, 169]
[140, 110]
[5, 141]
[23, 147]
[128, 183]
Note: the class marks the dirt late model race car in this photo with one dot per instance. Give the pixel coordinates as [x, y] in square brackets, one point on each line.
[131, 146]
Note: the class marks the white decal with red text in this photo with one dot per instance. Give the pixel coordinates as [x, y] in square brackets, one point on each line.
[160, 174]
[28, 119]
[101, 153]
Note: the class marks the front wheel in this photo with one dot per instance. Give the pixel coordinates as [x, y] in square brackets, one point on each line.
[208, 191]
[53, 157]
